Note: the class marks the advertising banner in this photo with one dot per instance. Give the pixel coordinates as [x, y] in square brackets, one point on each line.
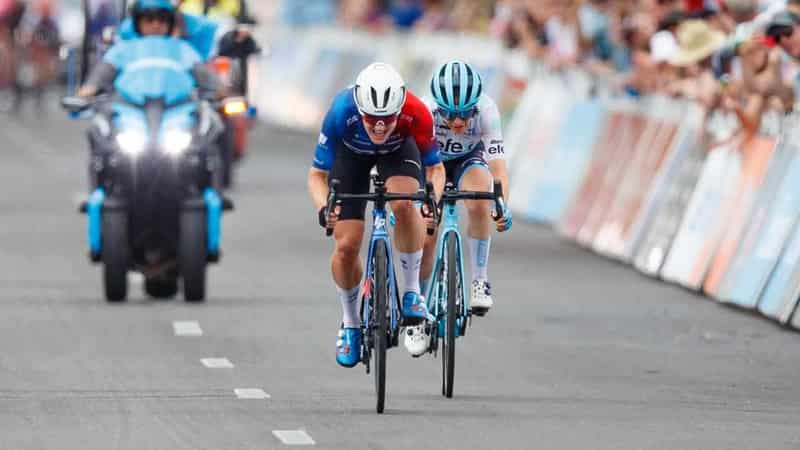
[756, 153]
[660, 198]
[614, 132]
[566, 165]
[620, 160]
[704, 222]
[783, 288]
[772, 221]
[649, 155]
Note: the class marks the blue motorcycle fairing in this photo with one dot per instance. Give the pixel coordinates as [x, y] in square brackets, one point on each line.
[213, 203]
[129, 118]
[200, 33]
[153, 67]
[181, 117]
[95, 212]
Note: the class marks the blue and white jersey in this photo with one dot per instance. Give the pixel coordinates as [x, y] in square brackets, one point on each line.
[485, 127]
[344, 129]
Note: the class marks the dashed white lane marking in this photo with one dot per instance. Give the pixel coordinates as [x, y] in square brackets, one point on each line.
[217, 363]
[187, 328]
[294, 437]
[251, 394]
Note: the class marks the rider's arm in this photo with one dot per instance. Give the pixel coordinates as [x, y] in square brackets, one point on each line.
[318, 187]
[428, 147]
[324, 155]
[100, 79]
[494, 152]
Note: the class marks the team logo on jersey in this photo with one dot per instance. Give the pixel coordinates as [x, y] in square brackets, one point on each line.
[496, 148]
[451, 146]
[352, 120]
[323, 139]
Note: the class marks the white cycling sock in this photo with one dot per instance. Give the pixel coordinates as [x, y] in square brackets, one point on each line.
[479, 257]
[349, 299]
[410, 263]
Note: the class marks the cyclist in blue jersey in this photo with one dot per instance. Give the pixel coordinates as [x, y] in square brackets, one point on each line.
[375, 123]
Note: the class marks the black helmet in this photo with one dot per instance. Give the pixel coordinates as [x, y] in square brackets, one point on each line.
[153, 8]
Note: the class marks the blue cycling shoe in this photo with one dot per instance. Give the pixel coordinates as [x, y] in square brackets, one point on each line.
[415, 311]
[348, 347]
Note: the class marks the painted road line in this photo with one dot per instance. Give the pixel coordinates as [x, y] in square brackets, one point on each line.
[187, 328]
[251, 394]
[293, 437]
[217, 363]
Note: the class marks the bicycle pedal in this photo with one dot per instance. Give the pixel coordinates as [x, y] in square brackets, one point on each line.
[480, 312]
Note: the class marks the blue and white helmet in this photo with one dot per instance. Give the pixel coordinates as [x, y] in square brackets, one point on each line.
[456, 87]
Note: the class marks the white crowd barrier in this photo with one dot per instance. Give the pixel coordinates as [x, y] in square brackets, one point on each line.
[651, 182]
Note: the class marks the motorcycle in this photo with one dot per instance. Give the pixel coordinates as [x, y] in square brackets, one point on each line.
[155, 205]
[237, 114]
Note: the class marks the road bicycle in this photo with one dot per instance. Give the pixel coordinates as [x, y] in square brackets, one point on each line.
[380, 303]
[447, 292]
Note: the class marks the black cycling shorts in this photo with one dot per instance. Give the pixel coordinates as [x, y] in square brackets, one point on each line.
[455, 168]
[353, 170]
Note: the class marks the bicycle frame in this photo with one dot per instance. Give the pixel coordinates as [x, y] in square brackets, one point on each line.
[380, 234]
[437, 293]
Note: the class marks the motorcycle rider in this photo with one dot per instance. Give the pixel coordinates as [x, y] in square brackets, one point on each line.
[152, 19]
[198, 31]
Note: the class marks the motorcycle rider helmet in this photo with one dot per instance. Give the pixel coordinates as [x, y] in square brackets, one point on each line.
[456, 88]
[379, 91]
[153, 8]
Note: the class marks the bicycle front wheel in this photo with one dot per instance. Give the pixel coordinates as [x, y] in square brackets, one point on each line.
[380, 322]
[451, 313]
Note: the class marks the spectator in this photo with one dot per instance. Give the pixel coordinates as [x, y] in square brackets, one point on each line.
[434, 17]
[405, 13]
[308, 12]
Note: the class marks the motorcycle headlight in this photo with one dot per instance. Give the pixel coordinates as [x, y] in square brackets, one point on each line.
[176, 141]
[131, 142]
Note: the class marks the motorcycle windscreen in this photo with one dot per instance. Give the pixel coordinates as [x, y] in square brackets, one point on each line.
[155, 79]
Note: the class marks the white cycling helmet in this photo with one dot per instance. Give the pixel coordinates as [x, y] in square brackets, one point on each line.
[379, 90]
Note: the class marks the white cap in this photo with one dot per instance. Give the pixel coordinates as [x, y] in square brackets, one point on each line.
[663, 46]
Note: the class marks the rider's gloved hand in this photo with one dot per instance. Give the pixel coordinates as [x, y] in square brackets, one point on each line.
[328, 220]
[429, 217]
[504, 223]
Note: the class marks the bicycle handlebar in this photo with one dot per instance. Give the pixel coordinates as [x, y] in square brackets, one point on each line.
[496, 195]
[427, 196]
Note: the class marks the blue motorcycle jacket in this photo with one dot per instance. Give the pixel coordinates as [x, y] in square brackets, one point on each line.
[198, 31]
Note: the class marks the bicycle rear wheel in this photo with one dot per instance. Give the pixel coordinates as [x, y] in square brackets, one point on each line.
[379, 326]
[451, 313]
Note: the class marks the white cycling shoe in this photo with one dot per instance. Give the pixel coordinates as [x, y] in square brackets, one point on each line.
[416, 340]
[481, 301]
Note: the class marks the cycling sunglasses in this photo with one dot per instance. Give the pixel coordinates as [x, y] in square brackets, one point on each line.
[448, 115]
[374, 120]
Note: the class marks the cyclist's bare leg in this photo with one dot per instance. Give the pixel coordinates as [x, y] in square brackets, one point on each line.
[347, 269]
[345, 263]
[478, 178]
[409, 231]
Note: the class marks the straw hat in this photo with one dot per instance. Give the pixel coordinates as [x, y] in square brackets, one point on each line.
[697, 41]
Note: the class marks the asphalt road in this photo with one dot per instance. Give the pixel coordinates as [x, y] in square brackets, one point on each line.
[579, 353]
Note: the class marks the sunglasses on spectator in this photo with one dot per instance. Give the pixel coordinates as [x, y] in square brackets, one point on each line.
[374, 120]
[448, 115]
[781, 32]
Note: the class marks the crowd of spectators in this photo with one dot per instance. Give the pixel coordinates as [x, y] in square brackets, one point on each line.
[737, 55]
